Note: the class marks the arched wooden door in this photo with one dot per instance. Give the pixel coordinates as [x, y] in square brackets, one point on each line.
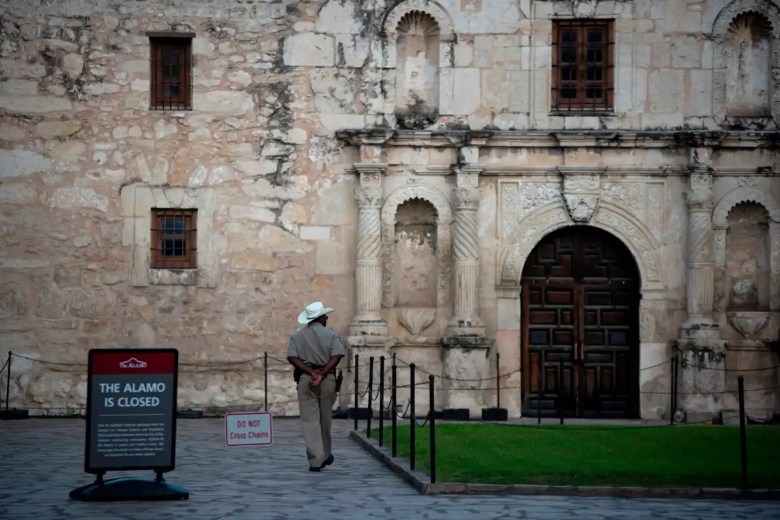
[580, 326]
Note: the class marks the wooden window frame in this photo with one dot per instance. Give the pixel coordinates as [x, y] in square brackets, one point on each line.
[182, 44]
[159, 257]
[581, 103]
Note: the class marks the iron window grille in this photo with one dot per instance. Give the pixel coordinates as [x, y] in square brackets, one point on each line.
[583, 65]
[171, 63]
[174, 239]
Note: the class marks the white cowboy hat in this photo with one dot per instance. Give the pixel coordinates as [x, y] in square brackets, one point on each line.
[312, 312]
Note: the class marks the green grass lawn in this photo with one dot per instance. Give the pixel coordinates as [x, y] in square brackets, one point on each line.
[697, 456]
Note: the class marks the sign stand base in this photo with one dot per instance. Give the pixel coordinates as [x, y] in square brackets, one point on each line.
[129, 488]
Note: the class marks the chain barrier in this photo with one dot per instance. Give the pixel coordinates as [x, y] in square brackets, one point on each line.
[686, 364]
[403, 414]
[427, 418]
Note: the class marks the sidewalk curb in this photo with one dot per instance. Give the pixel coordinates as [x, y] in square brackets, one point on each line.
[418, 481]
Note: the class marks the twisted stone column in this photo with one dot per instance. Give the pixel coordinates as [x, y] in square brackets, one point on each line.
[368, 270]
[701, 256]
[466, 257]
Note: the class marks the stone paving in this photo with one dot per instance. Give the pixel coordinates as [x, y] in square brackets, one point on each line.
[41, 460]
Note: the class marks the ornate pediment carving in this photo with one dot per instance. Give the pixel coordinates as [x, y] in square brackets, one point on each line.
[581, 192]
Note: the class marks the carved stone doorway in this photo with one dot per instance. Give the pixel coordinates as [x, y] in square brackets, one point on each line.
[580, 326]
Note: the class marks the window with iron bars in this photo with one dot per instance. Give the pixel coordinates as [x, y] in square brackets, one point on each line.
[174, 239]
[171, 62]
[583, 65]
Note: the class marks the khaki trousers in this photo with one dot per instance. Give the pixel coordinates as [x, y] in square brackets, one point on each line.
[316, 406]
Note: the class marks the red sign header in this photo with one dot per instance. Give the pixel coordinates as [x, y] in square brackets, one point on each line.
[132, 361]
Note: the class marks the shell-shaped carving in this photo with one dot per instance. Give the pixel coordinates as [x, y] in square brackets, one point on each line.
[748, 323]
[416, 211]
[419, 23]
[416, 320]
[748, 212]
[750, 26]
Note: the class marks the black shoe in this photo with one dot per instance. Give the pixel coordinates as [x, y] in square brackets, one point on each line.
[312, 468]
[328, 461]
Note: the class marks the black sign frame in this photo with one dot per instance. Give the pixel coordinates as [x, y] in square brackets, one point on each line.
[170, 420]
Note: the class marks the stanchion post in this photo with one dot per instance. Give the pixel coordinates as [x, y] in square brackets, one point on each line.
[539, 391]
[370, 392]
[265, 378]
[357, 394]
[432, 419]
[381, 400]
[560, 390]
[742, 433]
[673, 377]
[676, 381]
[411, 416]
[498, 383]
[8, 385]
[395, 417]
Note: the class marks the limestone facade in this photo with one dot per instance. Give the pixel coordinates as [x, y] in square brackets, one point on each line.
[400, 161]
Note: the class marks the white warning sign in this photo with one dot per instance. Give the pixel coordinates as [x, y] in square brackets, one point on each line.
[248, 429]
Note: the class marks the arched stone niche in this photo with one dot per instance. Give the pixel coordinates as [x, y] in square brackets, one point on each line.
[417, 70]
[415, 266]
[417, 39]
[746, 89]
[417, 199]
[725, 252]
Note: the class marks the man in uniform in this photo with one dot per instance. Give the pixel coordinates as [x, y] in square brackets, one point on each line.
[314, 351]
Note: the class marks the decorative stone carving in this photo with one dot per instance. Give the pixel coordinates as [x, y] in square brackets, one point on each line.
[441, 16]
[416, 320]
[517, 247]
[581, 207]
[581, 194]
[466, 256]
[583, 8]
[748, 323]
[368, 270]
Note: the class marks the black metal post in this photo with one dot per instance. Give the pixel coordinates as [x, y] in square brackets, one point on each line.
[265, 378]
[432, 419]
[742, 433]
[412, 416]
[381, 400]
[370, 392]
[539, 391]
[676, 381]
[8, 385]
[671, 388]
[357, 395]
[395, 416]
[560, 390]
[498, 383]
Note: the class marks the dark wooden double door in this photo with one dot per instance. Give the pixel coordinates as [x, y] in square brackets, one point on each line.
[580, 327]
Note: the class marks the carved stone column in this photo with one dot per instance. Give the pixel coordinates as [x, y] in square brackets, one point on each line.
[701, 256]
[702, 371]
[465, 251]
[368, 271]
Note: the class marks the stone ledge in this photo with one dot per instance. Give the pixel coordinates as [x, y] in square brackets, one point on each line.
[419, 481]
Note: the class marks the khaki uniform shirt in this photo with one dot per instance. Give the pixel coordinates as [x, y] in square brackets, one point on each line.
[315, 344]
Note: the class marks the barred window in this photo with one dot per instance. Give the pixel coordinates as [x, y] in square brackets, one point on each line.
[171, 61]
[583, 65]
[174, 239]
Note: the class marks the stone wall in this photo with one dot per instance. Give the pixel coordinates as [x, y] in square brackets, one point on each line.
[295, 107]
